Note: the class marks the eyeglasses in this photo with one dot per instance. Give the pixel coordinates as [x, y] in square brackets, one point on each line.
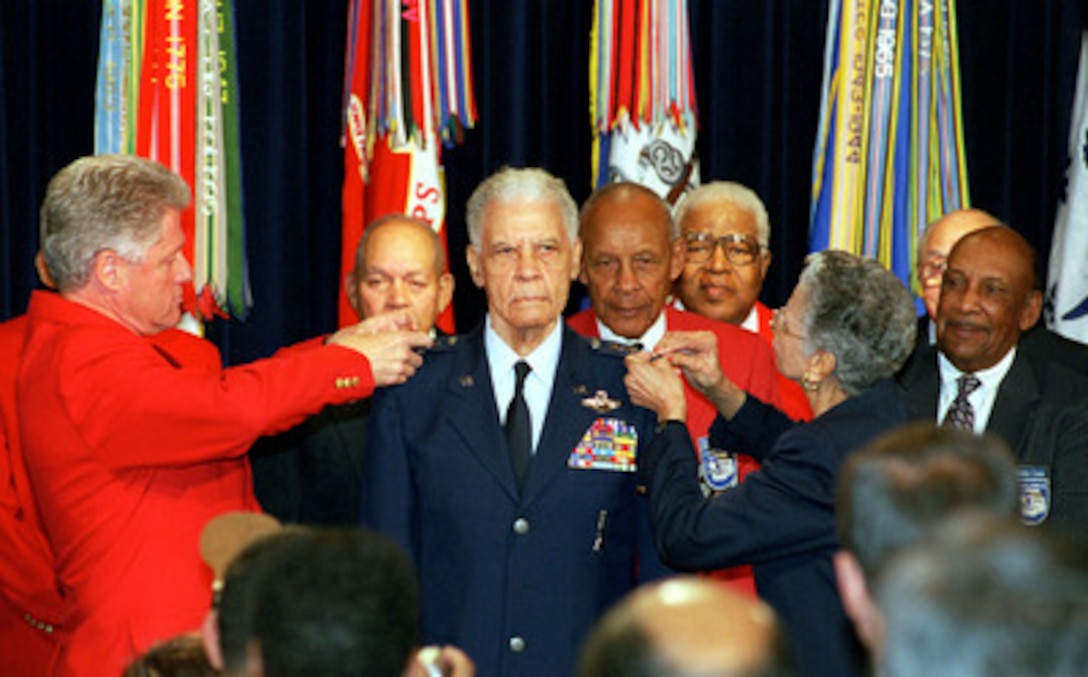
[779, 325]
[932, 269]
[741, 250]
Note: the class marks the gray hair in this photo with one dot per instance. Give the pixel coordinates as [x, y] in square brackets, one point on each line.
[105, 202]
[859, 312]
[727, 191]
[520, 185]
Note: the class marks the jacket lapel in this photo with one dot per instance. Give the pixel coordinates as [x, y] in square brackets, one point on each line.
[1015, 402]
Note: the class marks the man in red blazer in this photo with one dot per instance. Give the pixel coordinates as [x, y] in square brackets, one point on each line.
[127, 453]
[630, 259]
[717, 221]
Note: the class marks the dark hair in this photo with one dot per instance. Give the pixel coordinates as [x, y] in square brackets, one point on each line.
[334, 602]
[178, 657]
[912, 478]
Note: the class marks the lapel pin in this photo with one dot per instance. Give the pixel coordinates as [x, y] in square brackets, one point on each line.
[466, 381]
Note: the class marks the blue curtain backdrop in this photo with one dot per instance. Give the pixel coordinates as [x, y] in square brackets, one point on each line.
[758, 70]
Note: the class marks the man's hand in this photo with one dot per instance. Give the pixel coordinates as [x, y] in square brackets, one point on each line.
[655, 384]
[390, 342]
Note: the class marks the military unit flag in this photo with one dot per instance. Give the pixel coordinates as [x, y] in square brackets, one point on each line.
[642, 96]
[407, 92]
[889, 155]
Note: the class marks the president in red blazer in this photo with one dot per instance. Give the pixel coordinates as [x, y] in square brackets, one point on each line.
[128, 454]
[630, 258]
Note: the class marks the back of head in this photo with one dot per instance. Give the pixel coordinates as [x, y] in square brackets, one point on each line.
[178, 657]
[529, 184]
[859, 312]
[334, 602]
[686, 627]
[908, 481]
[104, 202]
[987, 598]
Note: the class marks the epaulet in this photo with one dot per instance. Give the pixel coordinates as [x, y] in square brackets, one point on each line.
[611, 348]
[444, 344]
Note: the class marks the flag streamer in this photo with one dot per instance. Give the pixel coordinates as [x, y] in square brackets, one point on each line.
[889, 157]
[166, 89]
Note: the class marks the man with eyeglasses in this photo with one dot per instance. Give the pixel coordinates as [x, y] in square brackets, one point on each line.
[933, 248]
[725, 233]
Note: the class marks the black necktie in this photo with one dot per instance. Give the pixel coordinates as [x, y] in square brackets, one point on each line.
[519, 428]
[961, 414]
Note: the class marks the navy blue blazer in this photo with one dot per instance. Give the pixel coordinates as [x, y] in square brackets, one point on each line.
[513, 578]
[780, 519]
[1041, 411]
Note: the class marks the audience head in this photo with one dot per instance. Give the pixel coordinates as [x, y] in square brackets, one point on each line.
[321, 602]
[936, 243]
[902, 485]
[524, 252]
[986, 597]
[630, 256]
[849, 321]
[686, 627]
[111, 235]
[400, 264]
[989, 296]
[726, 233]
[178, 657]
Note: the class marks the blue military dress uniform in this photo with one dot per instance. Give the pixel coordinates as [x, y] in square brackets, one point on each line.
[515, 578]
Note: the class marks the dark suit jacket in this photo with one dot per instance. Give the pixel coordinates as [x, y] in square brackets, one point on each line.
[1041, 411]
[514, 578]
[311, 474]
[781, 519]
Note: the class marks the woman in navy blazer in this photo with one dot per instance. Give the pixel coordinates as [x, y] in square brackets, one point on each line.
[846, 329]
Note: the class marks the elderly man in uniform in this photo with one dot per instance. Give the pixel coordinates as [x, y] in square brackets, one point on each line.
[127, 453]
[506, 466]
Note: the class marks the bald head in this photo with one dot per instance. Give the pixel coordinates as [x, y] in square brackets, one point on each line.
[937, 242]
[675, 627]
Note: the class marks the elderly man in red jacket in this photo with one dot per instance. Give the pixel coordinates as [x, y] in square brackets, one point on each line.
[127, 453]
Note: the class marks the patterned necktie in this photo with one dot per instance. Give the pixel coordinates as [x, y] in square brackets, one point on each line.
[961, 414]
[519, 428]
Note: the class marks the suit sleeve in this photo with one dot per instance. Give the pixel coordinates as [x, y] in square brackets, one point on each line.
[141, 411]
[387, 500]
[784, 508]
[754, 429]
[1069, 512]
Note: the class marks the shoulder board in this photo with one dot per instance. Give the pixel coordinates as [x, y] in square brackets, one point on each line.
[444, 344]
[611, 348]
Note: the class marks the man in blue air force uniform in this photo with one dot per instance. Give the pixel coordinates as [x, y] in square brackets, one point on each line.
[506, 466]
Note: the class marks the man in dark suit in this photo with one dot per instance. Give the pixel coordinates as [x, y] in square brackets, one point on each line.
[933, 249]
[978, 377]
[514, 489]
[311, 474]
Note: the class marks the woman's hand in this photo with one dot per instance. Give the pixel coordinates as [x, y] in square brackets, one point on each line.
[654, 383]
[696, 354]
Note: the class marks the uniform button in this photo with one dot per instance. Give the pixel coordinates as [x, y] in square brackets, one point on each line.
[517, 644]
[521, 527]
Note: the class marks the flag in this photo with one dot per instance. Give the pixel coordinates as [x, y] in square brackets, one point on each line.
[889, 155]
[166, 89]
[1067, 292]
[642, 96]
[408, 92]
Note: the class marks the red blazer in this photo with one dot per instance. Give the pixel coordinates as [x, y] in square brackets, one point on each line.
[745, 359]
[793, 400]
[129, 455]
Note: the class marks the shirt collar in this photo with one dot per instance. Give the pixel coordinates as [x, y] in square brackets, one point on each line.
[990, 377]
[649, 339]
[544, 359]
